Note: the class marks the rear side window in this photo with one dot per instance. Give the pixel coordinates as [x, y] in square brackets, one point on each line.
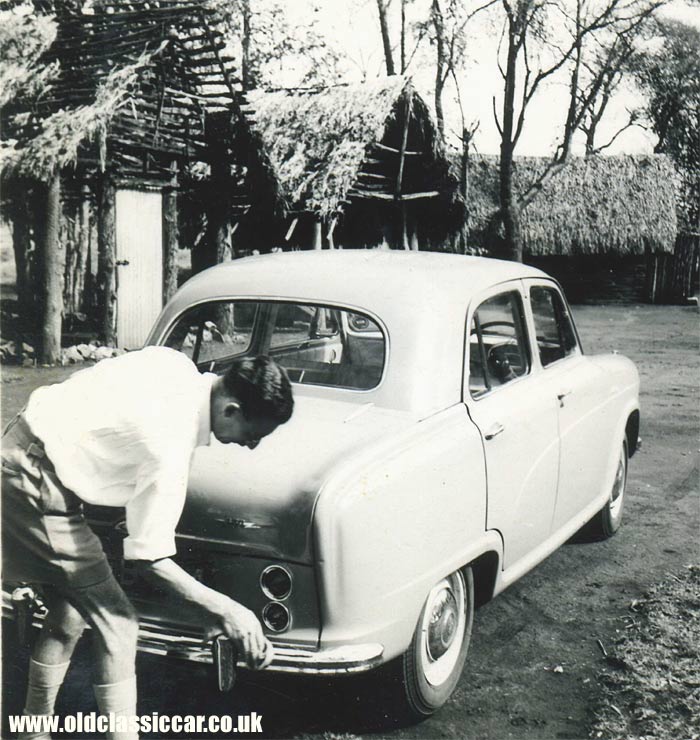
[317, 345]
[554, 329]
[498, 349]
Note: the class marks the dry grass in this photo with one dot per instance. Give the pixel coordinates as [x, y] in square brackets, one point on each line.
[652, 687]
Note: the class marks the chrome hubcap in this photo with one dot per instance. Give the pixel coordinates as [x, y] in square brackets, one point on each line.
[618, 489]
[443, 624]
[442, 629]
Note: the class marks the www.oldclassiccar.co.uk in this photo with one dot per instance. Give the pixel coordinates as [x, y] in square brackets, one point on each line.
[191, 724]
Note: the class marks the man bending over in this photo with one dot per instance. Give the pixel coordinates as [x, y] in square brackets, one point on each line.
[122, 433]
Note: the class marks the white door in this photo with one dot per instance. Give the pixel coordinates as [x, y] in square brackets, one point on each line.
[586, 423]
[516, 413]
[139, 227]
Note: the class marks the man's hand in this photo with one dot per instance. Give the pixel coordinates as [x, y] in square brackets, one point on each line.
[222, 615]
[242, 627]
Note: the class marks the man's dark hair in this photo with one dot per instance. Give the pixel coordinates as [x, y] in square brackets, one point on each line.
[262, 388]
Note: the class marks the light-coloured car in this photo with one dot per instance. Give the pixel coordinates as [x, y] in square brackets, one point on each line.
[449, 434]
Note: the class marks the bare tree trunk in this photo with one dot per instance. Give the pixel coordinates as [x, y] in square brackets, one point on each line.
[440, 64]
[170, 236]
[54, 265]
[246, 72]
[403, 36]
[464, 188]
[106, 270]
[590, 141]
[510, 212]
[386, 40]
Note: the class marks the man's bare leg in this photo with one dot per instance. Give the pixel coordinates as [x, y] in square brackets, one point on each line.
[114, 633]
[51, 656]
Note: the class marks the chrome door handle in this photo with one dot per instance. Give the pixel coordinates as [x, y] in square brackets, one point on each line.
[494, 430]
[563, 394]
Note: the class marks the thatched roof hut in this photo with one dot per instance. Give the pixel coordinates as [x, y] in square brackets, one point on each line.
[96, 157]
[623, 205]
[358, 156]
[134, 80]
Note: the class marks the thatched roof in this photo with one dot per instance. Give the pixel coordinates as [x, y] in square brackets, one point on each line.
[596, 205]
[317, 141]
[23, 40]
[141, 72]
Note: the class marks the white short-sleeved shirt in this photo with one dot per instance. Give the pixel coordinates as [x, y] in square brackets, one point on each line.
[122, 433]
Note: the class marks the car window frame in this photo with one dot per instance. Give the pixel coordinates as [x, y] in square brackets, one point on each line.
[554, 286]
[159, 340]
[508, 286]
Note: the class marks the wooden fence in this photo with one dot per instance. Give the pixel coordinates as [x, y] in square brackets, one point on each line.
[674, 278]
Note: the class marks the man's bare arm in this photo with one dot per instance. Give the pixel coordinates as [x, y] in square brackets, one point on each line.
[227, 616]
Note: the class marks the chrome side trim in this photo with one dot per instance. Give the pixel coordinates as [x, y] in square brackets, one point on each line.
[183, 643]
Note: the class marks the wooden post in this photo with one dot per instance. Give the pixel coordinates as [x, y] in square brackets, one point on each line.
[170, 235]
[216, 245]
[54, 265]
[404, 227]
[69, 232]
[329, 234]
[22, 246]
[107, 255]
[399, 176]
[318, 234]
[83, 266]
[415, 245]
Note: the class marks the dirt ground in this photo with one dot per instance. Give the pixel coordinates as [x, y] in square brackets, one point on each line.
[551, 619]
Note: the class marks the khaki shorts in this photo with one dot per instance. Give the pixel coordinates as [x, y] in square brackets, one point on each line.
[45, 537]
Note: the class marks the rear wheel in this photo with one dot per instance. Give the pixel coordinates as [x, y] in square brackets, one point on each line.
[431, 666]
[608, 520]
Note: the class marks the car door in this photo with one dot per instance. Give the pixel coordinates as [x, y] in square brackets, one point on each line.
[577, 386]
[517, 417]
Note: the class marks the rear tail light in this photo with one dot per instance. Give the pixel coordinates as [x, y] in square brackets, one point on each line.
[276, 616]
[276, 582]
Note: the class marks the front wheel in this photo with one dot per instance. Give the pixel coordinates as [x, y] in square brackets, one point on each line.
[431, 666]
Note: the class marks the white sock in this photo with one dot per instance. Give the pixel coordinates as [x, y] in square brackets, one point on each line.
[119, 699]
[45, 680]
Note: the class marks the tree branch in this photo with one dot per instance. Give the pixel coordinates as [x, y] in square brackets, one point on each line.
[495, 116]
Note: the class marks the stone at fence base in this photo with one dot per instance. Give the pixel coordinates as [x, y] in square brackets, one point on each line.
[70, 356]
[102, 353]
[8, 350]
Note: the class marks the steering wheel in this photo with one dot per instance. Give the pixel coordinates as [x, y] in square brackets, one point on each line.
[490, 324]
[504, 360]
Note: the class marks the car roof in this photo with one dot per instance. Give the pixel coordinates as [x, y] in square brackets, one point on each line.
[420, 298]
[340, 275]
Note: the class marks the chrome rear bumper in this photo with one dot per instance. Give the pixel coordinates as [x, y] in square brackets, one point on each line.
[184, 643]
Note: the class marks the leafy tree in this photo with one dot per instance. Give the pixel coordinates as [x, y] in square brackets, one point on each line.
[25, 34]
[542, 39]
[668, 72]
[275, 49]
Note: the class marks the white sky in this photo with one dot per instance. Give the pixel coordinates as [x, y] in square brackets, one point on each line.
[352, 25]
